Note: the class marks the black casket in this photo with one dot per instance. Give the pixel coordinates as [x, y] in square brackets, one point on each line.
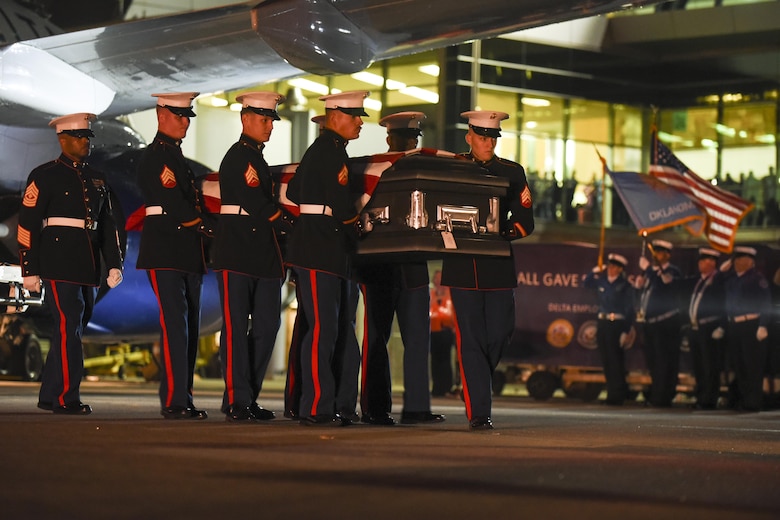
[426, 207]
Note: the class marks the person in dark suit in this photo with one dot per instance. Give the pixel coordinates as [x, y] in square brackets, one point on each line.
[401, 290]
[248, 260]
[482, 287]
[172, 251]
[707, 315]
[65, 227]
[659, 314]
[320, 251]
[749, 311]
[615, 316]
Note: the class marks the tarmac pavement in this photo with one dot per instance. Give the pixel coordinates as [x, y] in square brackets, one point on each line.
[556, 459]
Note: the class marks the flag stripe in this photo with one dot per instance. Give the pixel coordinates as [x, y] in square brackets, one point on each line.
[724, 210]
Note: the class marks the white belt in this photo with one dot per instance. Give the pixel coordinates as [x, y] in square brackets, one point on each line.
[154, 210]
[71, 222]
[745, 317]
[232, 209]
[315, 209]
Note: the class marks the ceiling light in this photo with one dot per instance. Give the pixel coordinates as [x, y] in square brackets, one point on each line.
[370, 78]
[311, 86]
[372, 104]
[535, 102]
[394, 85]
[236, 107]
[420, 93]
[531, 124]
[218, 102]
[431, 70]
[669, 138]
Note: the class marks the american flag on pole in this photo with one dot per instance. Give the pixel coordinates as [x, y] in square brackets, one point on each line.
[724, 210]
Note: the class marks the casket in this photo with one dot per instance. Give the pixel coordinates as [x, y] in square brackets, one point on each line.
[426, 207]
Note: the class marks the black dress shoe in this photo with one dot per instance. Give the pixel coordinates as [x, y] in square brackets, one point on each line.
[421, 417]
[291, 414]
[351, 415]
[43, 405]
[238, 414]
[346, 420]
[176, 412]
[322, 420]
[73, 409]
[480, 423]
[260, 413]
[384, 419]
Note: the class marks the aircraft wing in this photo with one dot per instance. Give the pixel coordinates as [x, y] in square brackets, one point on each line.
[113, 70]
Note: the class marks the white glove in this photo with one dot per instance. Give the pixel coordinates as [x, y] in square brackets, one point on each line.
[644, 263]
[623, 339]
[718, 333]
[114, 277]
[725, 266]
[761, 334]
[639, 282]
[597, 269]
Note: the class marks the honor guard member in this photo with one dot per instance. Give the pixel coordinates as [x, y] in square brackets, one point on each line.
[482, 287]
[248, 260]
[292, 387]
[749, 311]
[320, 251]
[399, 289]
[615, 316]
[706, 312]
[65, 226]
[659, 310]
[172, 251]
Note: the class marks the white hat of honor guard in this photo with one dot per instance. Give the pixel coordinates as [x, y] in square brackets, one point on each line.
[403, 121]
[485, 122]
[745, 251]
[180, 103]
[662, 244]
[262, 102]
[77, 124]
[350, 102]
[617, 259]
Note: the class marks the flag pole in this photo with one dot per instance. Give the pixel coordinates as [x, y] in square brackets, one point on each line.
[602, 236]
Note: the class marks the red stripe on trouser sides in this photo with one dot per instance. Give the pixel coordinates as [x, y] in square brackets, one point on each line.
[166, 346]
[459, 347]
[63, 346]
[315, 343]
[228, 339]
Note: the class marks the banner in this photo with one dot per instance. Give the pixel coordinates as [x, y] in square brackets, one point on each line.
[654, 205]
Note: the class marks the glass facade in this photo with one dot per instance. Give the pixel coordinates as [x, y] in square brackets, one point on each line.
[558, 138]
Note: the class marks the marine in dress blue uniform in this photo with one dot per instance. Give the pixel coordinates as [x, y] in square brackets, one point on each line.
[615, 316]
[321, 251]
[659, 313]
[65, 227]
[292, 386]
[172, 251]
[248, 260]
[707, 317]
[749, 311]
[482, 287]
[399, 289]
